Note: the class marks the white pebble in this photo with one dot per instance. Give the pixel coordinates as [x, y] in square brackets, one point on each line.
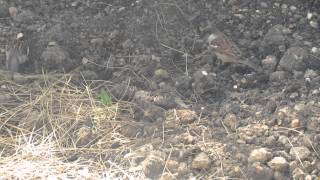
[314, 49]
[205, 73]
[293, 8]
[309, 15]
[314, 24]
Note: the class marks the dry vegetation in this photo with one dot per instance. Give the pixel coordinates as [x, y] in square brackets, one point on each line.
[42, 127]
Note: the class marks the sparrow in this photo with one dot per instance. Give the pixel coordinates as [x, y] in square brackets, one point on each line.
[227, 51]
[16, 54]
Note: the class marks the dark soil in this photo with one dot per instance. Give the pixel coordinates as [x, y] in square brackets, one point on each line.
[196, 116]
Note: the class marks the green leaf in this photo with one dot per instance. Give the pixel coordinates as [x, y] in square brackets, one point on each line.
[105, 98]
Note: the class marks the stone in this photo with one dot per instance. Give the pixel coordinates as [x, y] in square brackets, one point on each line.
[172, 165]
[269, 63]
[301, 152]
[295, 123]
[294, 59]
[297, 173]
[25, 16]
[201, 161]
[279, 76]
[183, 168]
[13, 11]
[279, 164]
[4, 12]
[283, 140]
[275, 35]
[259, 155]
[314, 24]
[259, 171]
[310, 74]
[161, 74]
[55, 57]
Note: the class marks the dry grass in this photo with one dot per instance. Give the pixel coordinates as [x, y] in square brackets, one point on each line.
[46, 123]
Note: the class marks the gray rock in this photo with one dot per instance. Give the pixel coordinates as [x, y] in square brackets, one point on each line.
[161, 74]
[270, 141]
[295, 58]
[297, 173]
[4, 10]
[301, 152]
[313, 124]
[55, 57]
[97, 41]
[269, 63]
[25, 16]
[263, 4]
[279, 76]
[259, 171]
[275, 35]
[293, 8]
[310, 74]
[57, 33]
[201, 161]
[314, 24]
[283, 140]
[259, 155]
[284, 6]
[127, 44]
[279, 164]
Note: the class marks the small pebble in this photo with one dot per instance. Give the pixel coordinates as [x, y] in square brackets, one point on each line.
[201, 161]
[284, 6]
[295, 123]
[309, 15]
[301, 152]
[13, 11]
[314, 50]
[314, 24]
[264, 4]
[278, 164]
[259, 155]
[293, 8]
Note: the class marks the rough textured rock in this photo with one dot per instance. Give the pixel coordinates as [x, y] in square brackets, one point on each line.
[279, 76]
[279, 164]
[269, 63]
[275, 35]
[260, 171]
[295, 58]
[259, 155]
[55, 56]
[300, 152]
[201, 161]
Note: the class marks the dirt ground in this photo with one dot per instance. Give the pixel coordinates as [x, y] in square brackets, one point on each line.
[177, 112]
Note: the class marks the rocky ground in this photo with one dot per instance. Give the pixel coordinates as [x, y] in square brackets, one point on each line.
[190, 115]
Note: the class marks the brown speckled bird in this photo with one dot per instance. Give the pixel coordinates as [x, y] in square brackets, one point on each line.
[16, 54]
[227, 51]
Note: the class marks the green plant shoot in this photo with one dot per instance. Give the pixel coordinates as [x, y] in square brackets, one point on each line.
[105, 98]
